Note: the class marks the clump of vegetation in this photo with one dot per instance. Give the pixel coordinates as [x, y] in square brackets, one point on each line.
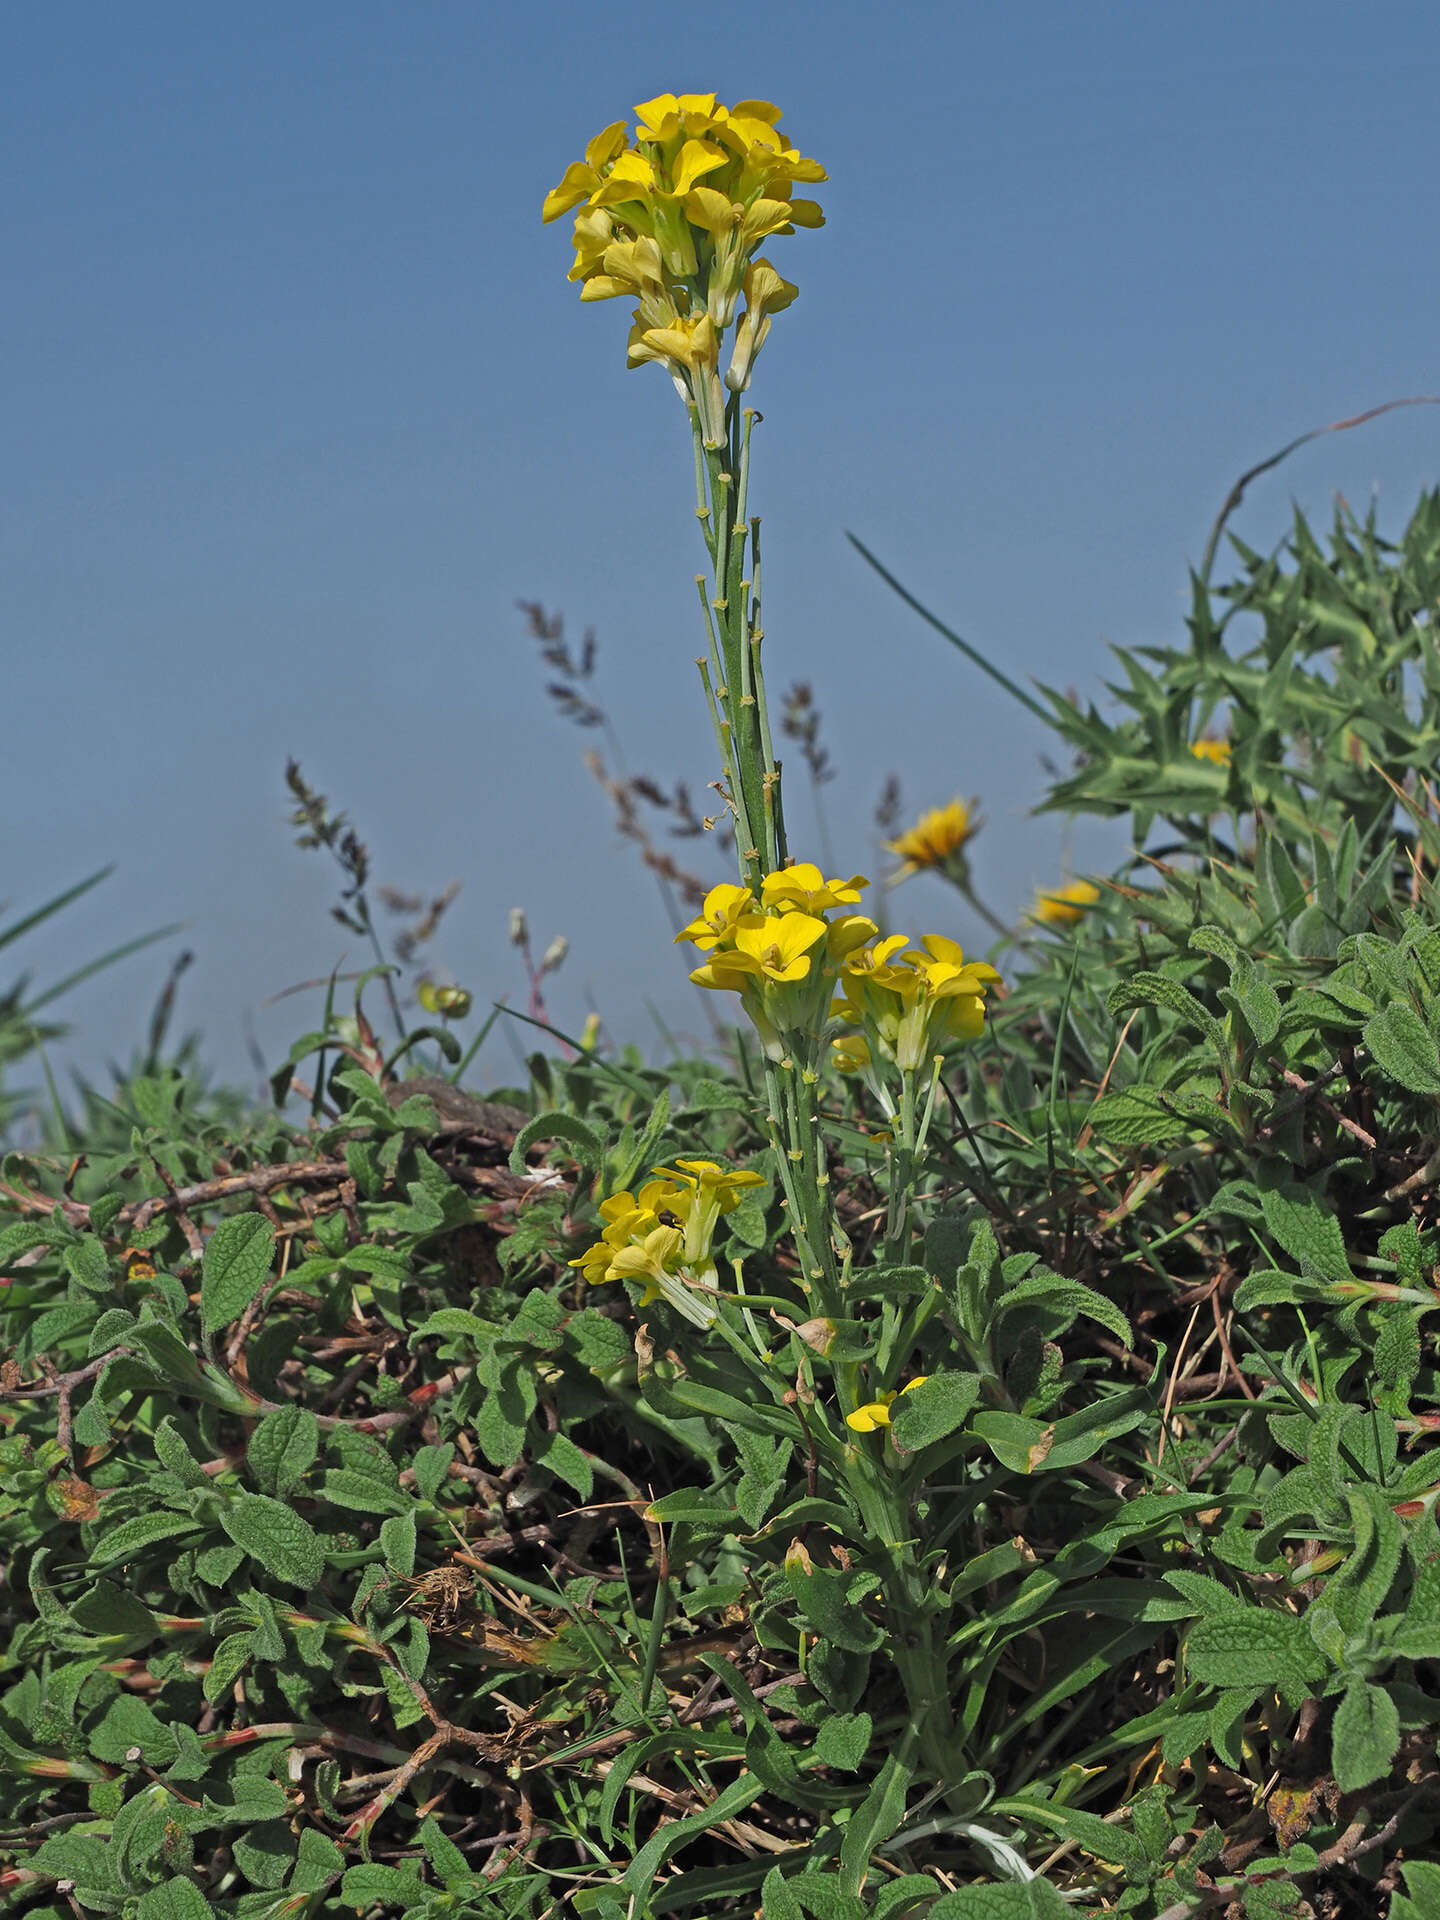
[967, 1454]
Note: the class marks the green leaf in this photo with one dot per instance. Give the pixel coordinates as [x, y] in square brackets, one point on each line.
[1019, 1443]
[730, 1801]
[172, 1452]
[370, 1884]
[441, 1851]
[1101, 1839]
[1251, 1647]
[588, 1146]
[432, 1465]
[1269, 1287]
[600, 1343]
[81, 1857]
[897, 1896]
[129, 1723]
[361, 1492]
[216, 1565]
[1080, 1301]
[397, 1542]
[1307, 1230]
[843, 1740]
[777, 1902]
[319, 1862]
[253, 1797]
[1365, 1737]
[878, 1815]
[175, 1899]
[1422, 1881]
[229, 1660]
[821, 1896]
[940, 1404]
[86, 1263]
[274, 1534]
[694, 1507]
[236, 1264]
[718, 1096]
[264, 1852]
[282, 1449]
[1145, 989]
[1136, 1117]
[829, 1603]
[1028, 1900]
[565, 1460]
[1403, 1047]
[625, 1166]
[130, 1539]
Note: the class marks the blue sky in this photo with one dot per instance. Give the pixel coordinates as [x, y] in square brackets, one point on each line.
[299, 404]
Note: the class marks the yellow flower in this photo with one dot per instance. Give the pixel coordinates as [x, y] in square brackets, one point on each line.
[661, 1236]
[849, 931]
[582, 179]
[850, 1053]
[876, 1413]
[1065, 905]
[765, 293]
[803, 886]
[767, 946]
[912, 1001]
[712, 1192]
[676, 216]
[714, 925]
[688, 343]
[935, 838]
[1217, 751]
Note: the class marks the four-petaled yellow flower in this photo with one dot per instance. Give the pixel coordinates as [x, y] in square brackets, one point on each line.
[1065, 905]
[803, 886]
[724, 907]
[935, 838]
[876, 1413]
[772, 946]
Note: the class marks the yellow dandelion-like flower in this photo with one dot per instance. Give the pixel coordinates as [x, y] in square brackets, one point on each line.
[1065, 905]
[935, 838]
[1217, 751]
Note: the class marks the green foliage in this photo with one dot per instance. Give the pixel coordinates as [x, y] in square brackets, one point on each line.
[363, 1559]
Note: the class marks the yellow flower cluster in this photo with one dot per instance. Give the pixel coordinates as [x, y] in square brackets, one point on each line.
[798, 955]
[935, 839]
[662, 1235]
[673, 219]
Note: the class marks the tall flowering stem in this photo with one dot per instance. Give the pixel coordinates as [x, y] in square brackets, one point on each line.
[675, 218]
[672, 215]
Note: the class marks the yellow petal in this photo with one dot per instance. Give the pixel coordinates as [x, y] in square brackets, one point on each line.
[605, 146]
[765, 111]
[652, 115]
[714, 212]
[576, 184]
[695, 158]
